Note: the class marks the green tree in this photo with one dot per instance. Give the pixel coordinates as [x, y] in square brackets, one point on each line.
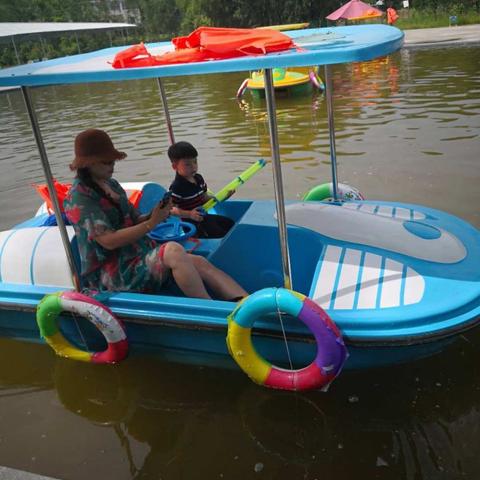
[159, 17]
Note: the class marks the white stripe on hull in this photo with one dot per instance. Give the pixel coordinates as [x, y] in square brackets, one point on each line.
[386, 211]
[371, 280]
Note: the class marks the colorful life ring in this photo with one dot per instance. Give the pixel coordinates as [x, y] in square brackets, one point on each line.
[331, 351]
[111, 328]
[325, 192]
[242, 88]
[316, 81]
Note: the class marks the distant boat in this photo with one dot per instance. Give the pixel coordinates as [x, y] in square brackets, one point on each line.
[289, 81]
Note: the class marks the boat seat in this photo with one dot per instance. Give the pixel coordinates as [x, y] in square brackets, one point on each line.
[152, 193]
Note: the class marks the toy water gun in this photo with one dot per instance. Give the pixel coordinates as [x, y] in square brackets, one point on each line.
[221, 195]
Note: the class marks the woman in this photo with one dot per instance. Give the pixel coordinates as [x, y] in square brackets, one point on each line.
[115, 252]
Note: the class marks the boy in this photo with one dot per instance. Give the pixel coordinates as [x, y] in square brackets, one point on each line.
[189, 193]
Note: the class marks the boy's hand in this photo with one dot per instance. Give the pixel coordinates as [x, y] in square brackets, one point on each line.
[196, 215]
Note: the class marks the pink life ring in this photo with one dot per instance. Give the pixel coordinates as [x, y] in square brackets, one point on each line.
[242, 88]
[316, 82]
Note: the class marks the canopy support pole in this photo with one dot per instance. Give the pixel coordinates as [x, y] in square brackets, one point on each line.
[51, 188]
[78, 44]
[331, 130]
[163, 96]
[44, 52]
[16, 51]
[277, 177]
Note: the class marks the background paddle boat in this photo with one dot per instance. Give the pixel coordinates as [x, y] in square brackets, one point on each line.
[286, 81]
[399, 281]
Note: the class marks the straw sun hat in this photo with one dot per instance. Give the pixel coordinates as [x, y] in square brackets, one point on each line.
[94, 146]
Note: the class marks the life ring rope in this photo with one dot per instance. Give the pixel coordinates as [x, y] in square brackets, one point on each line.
[331, 351]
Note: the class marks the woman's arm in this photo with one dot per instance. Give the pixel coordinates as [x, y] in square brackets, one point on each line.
[143, 217]
[111, 240]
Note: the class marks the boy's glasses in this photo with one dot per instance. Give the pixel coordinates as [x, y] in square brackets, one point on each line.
[108, 164]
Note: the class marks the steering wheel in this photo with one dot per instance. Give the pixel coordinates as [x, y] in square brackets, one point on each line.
[172, 231]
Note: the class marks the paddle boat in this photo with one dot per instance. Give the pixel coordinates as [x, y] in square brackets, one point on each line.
[291, 81]
[286, 81]
[390, 281]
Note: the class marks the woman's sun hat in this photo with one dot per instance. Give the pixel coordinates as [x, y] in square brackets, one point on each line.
[94, 146]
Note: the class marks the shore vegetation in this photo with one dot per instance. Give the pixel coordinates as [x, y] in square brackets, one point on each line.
[159, 20]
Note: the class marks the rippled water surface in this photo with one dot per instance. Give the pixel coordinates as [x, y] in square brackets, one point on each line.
[408, 130]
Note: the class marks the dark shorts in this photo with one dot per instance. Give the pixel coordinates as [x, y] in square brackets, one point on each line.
[212, 226]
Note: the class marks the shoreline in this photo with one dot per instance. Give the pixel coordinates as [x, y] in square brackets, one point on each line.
[442, 36]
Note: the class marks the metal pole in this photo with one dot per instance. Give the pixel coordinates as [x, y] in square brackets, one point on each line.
[277, 178]
[43, 47]
[16, 52]
[78, 44]
[51, 187]
[331, 130]
[166, 111]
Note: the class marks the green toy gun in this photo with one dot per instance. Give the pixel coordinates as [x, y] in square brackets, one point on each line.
[234, 184]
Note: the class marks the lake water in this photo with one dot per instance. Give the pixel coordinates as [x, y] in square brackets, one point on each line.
[407, 129]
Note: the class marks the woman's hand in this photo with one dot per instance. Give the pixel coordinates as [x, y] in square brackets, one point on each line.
[160, 213]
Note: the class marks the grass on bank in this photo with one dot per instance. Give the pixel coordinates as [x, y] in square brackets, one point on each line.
[411, 18]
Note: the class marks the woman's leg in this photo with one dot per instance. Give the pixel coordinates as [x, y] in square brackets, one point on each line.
[222, 284]
[184, 272]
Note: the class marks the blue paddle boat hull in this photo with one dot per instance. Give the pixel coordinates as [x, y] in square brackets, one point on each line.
[400, 281]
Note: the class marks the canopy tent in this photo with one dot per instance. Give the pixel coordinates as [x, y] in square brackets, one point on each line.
[11, 30]
[355, 10]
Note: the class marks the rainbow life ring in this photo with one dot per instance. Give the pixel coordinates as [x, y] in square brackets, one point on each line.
[331, 350]
[111, 328]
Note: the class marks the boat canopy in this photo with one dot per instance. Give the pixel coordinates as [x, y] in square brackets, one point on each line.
[320, 46]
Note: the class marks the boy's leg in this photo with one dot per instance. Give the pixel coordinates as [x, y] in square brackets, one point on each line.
[214, 226]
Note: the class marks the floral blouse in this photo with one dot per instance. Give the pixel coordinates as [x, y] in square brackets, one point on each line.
[134, 267]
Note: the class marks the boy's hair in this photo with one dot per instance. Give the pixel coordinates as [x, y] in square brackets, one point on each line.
[180, 150]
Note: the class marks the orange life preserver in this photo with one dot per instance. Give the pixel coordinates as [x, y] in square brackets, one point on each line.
[208, 43]
[61, 190]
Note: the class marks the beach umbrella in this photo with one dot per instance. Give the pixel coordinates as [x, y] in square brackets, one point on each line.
[355, 10]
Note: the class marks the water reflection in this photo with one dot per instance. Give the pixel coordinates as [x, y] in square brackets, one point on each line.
[177, 421]
[406, 130]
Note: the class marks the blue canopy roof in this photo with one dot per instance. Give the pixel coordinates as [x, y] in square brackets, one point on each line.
[320, 46]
